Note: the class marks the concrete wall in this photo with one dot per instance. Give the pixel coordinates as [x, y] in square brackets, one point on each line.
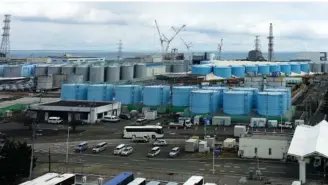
[279, 148]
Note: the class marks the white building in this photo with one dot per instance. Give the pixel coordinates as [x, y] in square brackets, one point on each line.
[265, 146]
[313, 56]
[68, 58]
[155, 69]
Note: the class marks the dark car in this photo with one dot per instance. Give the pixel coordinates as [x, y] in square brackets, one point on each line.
[125, 116]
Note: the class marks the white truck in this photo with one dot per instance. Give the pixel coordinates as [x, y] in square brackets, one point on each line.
[285, 125]
[183, 122]
[144, 139]
[191, 145]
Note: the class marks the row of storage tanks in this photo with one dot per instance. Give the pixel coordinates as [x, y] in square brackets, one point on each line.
[207, 100]
[92, 73]
[207, 67]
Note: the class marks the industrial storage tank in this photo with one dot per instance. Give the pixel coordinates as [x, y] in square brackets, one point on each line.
[271, 103]
[288, 93]
[82, 92]
[204, 101]
[97, 74]
[58, 80]
[285, 68]
[112, 73]
[68, 69]
[109, 92]
[41, 70]
[201, 69]
[1, 70]
[128, 94]
[54, 69]
[274, 68]
[68, 92]
[84, 71]
[305, 67]
[295, 67]
[253, 92]
[26, 70]
[317, 67]
[325, 67]
[127, 72]
[12, 71]
[251, 70]
[97, 92]
[237, 102]
[156, 95]
[220, 89]
[72, 79]
[44, 82]
[222, 71]
[140, 71]
[238, 71]
[311, 66]
[263, 69]
[181, 95]
[178, 68]
[168, 68]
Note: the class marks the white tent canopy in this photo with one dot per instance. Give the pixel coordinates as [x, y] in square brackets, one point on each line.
[308, 140]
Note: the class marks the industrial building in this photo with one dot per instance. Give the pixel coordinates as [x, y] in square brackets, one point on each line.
[264, 146]
[90, 112]
[69, 58]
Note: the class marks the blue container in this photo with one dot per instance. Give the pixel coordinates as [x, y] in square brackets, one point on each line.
[204, 101]
[68, 92]
[181, 96]
[274, 68]
[285, 68]
[222, 71]
[82, 92]
[2, 70]
[263, 69]
[238, 71]
[206, 62]
[220, 89]
[128, 94]
[97, 92]
[251, 70]
[296, 67]
[283, 90]
[253, 91]
[271, 103]
[305, 67]
[237, 102]
[109, 92]
[156, 95]
[26, 71]
[201, 69]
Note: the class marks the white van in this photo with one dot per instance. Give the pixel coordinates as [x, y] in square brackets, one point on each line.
[55, 120]
[99, 147]
[111, 119]
[119, 149]
[81, 147]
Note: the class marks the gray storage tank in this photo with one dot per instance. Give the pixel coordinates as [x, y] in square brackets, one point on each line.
[58, 80]
[68, 69]
[317, 67]
[41, 70]
[12, 71]
[54, 70]
[168, 68]
[178, 68]
[112, 73]
[74, 79]
[127, 72]
[97, 74]
[140, 70]
[84, 71]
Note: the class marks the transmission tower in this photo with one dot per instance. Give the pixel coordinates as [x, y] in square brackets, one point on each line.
[5, 43]
[220, 49]
[270, 45]
[119, 52]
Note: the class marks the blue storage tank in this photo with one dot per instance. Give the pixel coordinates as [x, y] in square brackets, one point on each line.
[274, 68]
[97, 92]
[2, 70]
[305, 67]
[222, 71]
[33, 66]
[206, 62]
[295, 67]
[204, 101]
[238, 71]
[109, 92]
[201, 69]
[82, 91]
[68, 92]
[26, 70]
[251, 69]
[263, 69]
[128, 94]
[237, 102]
[283, 90]
[271, 103]
[220, 89]
[156, 95]
[181, 95]
[285, 68]
[252, 90]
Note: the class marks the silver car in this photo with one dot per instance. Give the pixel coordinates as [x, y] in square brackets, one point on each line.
[127, 151]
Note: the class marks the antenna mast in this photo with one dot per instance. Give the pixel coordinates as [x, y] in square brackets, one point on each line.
[119, 53]
[220, 49]
[270, 45]
[5, 43]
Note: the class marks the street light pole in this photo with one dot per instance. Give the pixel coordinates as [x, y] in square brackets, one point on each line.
[67, 142]
[213, 162]
[32, 150]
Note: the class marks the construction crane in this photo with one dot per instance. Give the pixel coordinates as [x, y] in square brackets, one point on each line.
[220, 49]
[176, 33]
[160, 37]
[188, 46]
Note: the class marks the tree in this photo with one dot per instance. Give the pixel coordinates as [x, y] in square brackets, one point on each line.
[15, 162]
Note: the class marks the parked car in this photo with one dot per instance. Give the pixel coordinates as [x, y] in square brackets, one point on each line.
[127, 151]
[160, 142]
[174, 152]
[154, 151]
[125, 116]
[55, 120]
[119, 149]
[142, 119]
[111, 119]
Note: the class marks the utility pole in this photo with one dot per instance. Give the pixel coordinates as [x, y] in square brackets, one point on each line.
[49, 160]
[32, 154]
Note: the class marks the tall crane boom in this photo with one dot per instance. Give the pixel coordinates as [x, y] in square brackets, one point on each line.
[176, 33]
[160, 37]
[188, 46]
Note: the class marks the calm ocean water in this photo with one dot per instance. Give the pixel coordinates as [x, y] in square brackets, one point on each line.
[113, 55]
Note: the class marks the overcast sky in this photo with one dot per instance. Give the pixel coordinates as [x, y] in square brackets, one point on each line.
[99, 26]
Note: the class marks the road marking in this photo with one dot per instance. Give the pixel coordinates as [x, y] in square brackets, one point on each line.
[222, 171]
[126, 164]
[236, 166]
[202, 169]
[232, 171]
[226, 166]
[262, 168]
[138, 160]
[277, 167]
[217, 165]
[206, 164]
[274, 172]
[202, 162]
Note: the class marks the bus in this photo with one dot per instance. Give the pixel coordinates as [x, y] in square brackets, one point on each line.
[195, 180]
[123, 178]
[138, 181]
[41, 179]
[152, 131]
[63, 179]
